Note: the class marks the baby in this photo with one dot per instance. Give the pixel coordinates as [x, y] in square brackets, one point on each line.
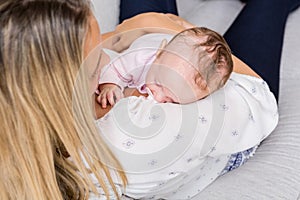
[193, 64]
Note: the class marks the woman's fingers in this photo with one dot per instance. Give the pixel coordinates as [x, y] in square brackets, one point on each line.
[111, 97]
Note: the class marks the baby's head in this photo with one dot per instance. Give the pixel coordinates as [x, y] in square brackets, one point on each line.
[195, 63]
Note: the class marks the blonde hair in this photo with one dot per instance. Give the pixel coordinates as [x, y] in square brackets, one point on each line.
[43, 118]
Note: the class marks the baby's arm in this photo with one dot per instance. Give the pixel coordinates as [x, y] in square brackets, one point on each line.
[110, 88]
[125, 70]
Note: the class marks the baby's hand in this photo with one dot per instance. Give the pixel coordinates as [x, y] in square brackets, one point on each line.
[109, 93]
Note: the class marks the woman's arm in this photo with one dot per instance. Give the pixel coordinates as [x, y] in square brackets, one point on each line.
[242, 68]
[131, 29]
[153, 22]
[139, 25]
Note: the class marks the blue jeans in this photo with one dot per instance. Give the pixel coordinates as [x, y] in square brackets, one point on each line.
[130, 8]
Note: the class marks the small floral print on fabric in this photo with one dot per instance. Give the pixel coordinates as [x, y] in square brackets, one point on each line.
[128, 143]
[224, 107]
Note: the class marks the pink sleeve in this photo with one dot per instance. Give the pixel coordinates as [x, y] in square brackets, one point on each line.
[129, 68]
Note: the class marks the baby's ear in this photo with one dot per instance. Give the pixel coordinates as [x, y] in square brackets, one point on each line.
[222, 68]
[161, 47]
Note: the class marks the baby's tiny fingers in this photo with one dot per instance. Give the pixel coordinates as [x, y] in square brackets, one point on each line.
[99, 99]
[110, 98]
[103, 101]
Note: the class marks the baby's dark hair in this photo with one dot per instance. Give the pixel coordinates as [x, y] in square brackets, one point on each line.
[214, 60]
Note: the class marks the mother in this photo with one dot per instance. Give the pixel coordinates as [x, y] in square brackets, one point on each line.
[43, 44]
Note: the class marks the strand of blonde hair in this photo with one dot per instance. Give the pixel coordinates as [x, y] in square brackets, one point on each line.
[39, 62]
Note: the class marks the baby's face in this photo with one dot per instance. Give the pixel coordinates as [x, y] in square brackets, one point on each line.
[171, 78]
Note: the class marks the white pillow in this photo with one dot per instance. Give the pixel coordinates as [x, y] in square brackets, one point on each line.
[107, 14]
[214, 14]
